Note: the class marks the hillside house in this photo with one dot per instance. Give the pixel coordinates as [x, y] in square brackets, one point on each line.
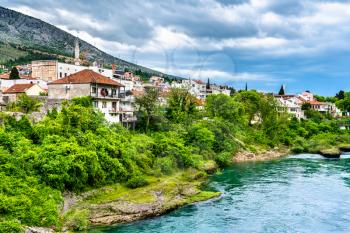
[105, 92]
[30, 89]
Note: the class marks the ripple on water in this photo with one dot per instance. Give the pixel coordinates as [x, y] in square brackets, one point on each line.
[299, 193]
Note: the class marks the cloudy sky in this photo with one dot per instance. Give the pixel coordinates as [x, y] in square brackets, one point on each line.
[304, 44]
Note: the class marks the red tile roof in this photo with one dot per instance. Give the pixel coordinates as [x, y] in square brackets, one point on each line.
[84, 77]
[315, 102]
[7, 76]
[199, 81]
[18, 88]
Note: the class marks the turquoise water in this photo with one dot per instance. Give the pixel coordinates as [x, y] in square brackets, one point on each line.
[301, 193]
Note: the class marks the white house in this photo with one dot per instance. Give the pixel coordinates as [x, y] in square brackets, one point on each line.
[105, 92]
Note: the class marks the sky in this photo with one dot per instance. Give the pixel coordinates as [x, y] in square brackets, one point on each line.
[302, 44]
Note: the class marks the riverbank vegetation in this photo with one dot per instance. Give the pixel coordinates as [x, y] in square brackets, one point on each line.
[75, 150]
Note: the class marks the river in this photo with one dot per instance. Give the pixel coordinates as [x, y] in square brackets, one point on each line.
[300, 193]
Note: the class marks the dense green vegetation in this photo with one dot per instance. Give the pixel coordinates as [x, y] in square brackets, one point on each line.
[24, 104]
[76, 150]
[14, 54]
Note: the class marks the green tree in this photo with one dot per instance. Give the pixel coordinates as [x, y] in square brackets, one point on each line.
[202, 137]
[344, 104]
[14, 74]
[148, 105]
[181, 105]
[281, 92]
[306, 106]
[340, 95]
[25, 104]
[224, 107]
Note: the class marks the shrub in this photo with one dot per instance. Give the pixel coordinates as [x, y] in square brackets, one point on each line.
[223, 159]
[136, 182]
[298, 149]
[165, 165]
[77, 220]
[10, 226]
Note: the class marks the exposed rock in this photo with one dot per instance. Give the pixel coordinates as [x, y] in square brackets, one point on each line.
[344, 147]
[210, 167]
[38, 230]
[331, 152]
[246, 156]
[164, 197]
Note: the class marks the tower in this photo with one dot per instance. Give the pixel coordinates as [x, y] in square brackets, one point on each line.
[76, 52]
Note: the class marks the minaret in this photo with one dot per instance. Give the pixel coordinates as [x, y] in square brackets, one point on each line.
[76, 52]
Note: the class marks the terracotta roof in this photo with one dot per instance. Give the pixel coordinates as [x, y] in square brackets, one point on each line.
[137, 93]
[18, 88]
[86, 76]
[199, 81]
[7, 76]
[315, 102]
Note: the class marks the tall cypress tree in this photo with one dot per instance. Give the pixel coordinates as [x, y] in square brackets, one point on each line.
[208, 84]
[281, 92]
[14, 73]
[246, 86]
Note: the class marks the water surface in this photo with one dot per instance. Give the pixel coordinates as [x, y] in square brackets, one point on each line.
[299, 193]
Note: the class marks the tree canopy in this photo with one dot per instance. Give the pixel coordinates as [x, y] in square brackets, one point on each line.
[14, 74]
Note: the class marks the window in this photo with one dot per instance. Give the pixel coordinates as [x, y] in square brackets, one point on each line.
[95, 104]
[65, 74]
[60, 74]
[94, 90]
[114, 91]
[104, 104]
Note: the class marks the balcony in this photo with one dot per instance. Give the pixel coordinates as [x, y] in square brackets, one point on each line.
[115, 110]
[129, 119]
[99, 96]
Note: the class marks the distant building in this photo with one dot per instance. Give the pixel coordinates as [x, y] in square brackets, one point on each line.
[6, 83]
[199, 89]
[14, 91]
[49, 70]
[291, 104]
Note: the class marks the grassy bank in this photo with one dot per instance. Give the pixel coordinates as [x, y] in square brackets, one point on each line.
[119, 204]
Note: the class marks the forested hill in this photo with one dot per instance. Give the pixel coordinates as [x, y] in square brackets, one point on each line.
[23, 38]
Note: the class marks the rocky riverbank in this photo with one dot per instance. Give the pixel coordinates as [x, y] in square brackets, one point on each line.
[117, 204]
[247, 156]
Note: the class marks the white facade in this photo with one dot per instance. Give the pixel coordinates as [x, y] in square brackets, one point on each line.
[108, 104]
[65, 69]
[199, 88]
[292, 106]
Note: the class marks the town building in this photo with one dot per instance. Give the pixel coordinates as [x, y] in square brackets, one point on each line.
[30, 89]
[50, 70]
[6, 83]
[200, 89]
[105, 92]
[291, 104]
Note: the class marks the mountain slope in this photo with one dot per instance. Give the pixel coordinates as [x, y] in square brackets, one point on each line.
[27, 36]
